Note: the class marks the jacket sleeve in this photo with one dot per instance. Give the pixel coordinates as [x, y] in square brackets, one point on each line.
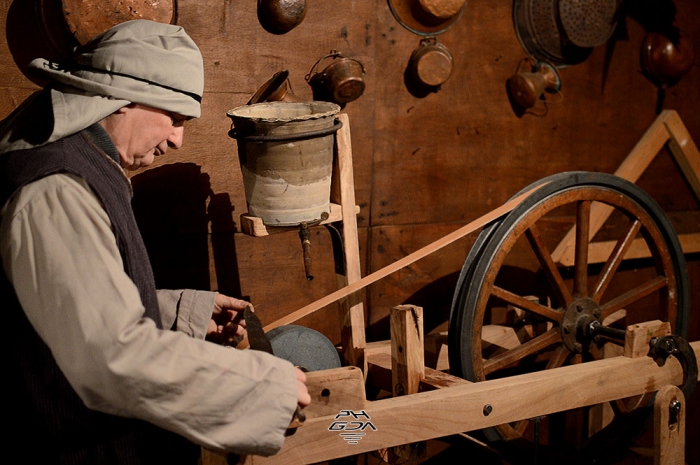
[186, 310]
[59, 253]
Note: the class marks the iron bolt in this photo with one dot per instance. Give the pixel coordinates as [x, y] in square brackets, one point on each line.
[596, 313]
[487, 410]
[668, 345]
[675, 407]
[567, 329]
[663, 347]
[578, 347]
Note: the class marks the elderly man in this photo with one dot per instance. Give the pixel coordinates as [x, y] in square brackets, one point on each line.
[102, 367]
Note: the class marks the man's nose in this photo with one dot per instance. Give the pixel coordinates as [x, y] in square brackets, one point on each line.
[176, 136]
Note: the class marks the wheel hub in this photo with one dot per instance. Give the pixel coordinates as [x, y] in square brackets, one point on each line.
[577, 316]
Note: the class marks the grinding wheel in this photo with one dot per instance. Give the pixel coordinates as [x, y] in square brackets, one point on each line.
[304, 347]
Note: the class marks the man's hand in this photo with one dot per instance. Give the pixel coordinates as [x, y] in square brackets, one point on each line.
[227, 325]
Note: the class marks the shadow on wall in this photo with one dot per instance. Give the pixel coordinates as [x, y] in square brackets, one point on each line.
[170, 204]
[37, 30]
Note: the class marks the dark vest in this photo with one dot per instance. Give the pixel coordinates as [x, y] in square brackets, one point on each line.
[48, 421]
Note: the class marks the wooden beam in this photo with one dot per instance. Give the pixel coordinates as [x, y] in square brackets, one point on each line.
[335, 389]
[684, 151]
[428, 415]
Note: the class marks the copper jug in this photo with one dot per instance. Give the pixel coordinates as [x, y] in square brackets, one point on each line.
[527, 88]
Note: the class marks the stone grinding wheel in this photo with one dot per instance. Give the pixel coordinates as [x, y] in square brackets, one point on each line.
[304, 347]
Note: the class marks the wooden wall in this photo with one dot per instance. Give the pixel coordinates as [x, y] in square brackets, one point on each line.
[424, 164]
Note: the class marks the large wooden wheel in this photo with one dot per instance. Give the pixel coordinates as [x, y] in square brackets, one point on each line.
[516, 311]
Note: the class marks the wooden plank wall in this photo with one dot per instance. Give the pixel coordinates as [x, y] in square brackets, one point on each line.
[424, 164]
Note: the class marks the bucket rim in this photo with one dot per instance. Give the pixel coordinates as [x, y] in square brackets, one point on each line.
[247, 112]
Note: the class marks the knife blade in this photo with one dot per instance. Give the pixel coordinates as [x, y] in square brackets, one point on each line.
[256, 336]
[259, 341]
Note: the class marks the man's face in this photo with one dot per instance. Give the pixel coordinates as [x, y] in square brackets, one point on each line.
[141, 133]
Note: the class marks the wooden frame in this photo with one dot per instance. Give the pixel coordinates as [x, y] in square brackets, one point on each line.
[667, 130]
[428, 403]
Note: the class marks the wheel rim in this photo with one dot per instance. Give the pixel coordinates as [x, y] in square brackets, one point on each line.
[548, 322]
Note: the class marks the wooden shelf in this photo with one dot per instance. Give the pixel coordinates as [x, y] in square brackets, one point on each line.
[254, 226]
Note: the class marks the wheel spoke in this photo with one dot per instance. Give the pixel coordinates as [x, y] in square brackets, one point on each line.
[583, 223]
[616, 256]
[523, 303]
[633, 295]
[559, 357]
[521, 426]
[528, 348]
[548, 266]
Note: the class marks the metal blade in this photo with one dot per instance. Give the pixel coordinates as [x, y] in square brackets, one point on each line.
[256, 335]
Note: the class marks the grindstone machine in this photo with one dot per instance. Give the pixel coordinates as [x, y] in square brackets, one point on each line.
[572, 366]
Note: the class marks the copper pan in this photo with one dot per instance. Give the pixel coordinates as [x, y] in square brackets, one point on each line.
[88, 18]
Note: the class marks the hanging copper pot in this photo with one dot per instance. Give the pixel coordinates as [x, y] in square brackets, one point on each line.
[341, 81]
[281, 16]
[431, 63]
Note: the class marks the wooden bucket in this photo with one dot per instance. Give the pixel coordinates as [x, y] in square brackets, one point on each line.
[286, 155]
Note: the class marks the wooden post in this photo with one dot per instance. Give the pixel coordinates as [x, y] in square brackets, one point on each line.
[352, 318]
[407, 368]
[406, 349]
[669, 427]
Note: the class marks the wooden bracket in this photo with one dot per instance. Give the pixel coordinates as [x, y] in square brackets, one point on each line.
[667, 130]
[669, 426]
[638, 337]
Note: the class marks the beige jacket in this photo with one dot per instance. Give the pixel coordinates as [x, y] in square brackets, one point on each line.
[59, 253]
